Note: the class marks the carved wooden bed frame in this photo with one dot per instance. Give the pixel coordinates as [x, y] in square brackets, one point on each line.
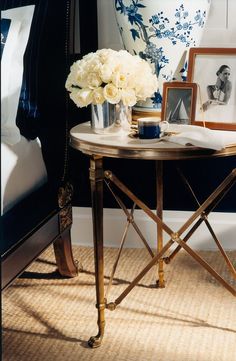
[45, 216]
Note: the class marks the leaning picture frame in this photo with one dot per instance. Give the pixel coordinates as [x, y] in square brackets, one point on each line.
[214, 71]
[179, 102]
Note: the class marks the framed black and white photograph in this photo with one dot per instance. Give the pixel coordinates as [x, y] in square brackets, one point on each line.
[179, 99]
[214, 71]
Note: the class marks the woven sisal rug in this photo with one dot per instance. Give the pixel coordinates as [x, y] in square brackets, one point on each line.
[49, 318]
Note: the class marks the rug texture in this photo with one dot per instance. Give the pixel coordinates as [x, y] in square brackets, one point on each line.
[49, 318]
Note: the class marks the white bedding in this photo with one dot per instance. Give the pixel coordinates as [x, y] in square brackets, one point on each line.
[22, 171]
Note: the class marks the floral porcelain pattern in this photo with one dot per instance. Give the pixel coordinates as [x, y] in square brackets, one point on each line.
[159, 28]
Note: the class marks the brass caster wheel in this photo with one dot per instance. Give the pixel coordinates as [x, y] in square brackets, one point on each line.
[95, 341]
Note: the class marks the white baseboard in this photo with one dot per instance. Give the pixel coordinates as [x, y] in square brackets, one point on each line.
[224, 225]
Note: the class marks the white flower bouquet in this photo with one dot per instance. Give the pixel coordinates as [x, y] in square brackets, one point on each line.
[112, 76]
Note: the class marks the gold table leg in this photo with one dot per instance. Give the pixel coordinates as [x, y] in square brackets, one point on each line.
[204, 218]
[207, 206]
[96, 182]
[159, 210]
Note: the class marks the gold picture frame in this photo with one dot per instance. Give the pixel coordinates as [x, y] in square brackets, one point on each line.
[179, 102]
[214, 71]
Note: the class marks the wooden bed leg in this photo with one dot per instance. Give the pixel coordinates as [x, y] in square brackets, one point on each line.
[63, 254]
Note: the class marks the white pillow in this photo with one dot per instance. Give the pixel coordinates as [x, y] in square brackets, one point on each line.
[14, 44]
[22, 171]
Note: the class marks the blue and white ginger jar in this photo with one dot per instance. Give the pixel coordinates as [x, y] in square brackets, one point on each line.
[161, 31]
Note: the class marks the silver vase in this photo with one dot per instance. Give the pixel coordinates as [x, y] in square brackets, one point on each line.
[110, 118]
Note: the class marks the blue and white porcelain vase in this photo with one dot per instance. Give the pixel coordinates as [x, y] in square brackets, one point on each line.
[161, 31]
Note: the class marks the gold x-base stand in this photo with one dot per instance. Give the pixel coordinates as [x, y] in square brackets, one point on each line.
[97, 176]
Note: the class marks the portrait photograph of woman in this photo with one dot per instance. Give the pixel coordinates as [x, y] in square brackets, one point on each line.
[214, 70]
[220, 92]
